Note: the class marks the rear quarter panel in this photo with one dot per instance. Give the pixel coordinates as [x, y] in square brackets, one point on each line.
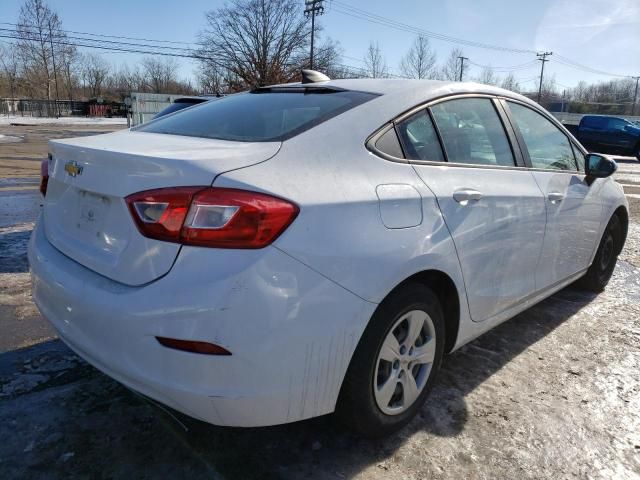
[339, 232]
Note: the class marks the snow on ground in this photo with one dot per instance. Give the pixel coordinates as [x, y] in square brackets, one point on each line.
[9, 139]
[7, 120]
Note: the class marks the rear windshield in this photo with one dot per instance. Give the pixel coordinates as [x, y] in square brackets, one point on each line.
[259, 116]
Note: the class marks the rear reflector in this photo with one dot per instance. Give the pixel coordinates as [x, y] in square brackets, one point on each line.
[193, 346]
[211, 217]
[44, 176]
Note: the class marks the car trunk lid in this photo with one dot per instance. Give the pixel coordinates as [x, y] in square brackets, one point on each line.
[85, 212]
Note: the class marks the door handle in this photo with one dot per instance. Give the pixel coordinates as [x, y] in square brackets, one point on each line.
[465, 195]
[555, 197]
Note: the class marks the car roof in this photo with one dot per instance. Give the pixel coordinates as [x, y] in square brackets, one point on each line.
[604, 116]
[427, 89]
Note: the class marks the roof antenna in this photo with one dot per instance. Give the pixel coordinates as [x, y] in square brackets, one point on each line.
[312, 76]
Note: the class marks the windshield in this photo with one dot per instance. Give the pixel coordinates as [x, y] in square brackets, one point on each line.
[259, 116]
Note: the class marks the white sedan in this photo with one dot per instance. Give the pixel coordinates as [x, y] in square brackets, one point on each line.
[308, 248]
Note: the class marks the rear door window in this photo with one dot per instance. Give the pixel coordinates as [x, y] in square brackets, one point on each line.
[472, 132]
[260, 116]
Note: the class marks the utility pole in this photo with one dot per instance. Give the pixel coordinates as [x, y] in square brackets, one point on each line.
[55, 72]
[462, 59]
[635, 97]
[543, 58]
[311, 9]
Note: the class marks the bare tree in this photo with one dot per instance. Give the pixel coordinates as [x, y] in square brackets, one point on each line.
[211, 78]
[510, 83]
[127, 80]
[160, 75]
[9, 62]
[39, 37]
[549, 90]
[420, 61]
[488, 76]
[451, 68]
[68, 68]
[257, 41]
[375, 64]
[95, 71]
[326, 58]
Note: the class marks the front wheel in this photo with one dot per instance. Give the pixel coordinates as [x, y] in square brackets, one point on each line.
[395, 363]
[600, 271]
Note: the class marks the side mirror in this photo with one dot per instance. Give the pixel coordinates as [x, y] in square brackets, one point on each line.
[599, 166]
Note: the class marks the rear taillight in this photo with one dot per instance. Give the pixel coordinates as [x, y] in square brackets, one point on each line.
[44, 176]
[211, 217]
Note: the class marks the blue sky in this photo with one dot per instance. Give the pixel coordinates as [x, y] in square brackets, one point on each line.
[602, 34]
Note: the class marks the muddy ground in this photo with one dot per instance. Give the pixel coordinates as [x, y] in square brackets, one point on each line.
[552, 393]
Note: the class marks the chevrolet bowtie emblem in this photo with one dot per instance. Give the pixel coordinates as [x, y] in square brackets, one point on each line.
[72, 168]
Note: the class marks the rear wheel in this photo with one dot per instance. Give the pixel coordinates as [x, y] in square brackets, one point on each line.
[600, 271]
[395, 363]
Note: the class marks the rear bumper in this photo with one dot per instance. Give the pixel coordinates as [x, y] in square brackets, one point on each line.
[291, 331]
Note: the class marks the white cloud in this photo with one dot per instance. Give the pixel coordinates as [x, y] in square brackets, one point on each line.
[603, 34]
[579, 21]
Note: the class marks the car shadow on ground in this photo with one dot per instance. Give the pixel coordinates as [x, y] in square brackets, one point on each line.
[111, 430]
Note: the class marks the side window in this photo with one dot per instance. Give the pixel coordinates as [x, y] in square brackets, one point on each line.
[578, 156]
[389, 144]
[419, 138]
[616, 125]
[472, 132]
[548, 147]
[594, 123]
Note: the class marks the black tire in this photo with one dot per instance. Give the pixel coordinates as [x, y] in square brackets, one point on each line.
[357, 407]
[604, 262]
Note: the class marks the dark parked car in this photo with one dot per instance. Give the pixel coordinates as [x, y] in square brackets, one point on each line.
[182, 103]
[613, 135]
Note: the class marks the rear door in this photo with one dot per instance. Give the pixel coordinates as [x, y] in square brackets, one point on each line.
[573, 206]
[490, 202]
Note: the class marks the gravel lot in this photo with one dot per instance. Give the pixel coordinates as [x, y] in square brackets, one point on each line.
[553, 393]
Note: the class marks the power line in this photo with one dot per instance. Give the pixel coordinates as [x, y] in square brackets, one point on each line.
[522, 66]
[570, 63]
[103, 35]
[58, 41]
[355, 12]
[21, 35]
[116, 49]
[186, 52]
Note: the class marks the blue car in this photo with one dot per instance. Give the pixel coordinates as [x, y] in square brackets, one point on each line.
[612, 135]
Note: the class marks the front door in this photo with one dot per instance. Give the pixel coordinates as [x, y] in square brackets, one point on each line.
[573, 206]
[494, 210]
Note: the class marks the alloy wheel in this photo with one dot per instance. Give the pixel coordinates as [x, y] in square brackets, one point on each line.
[404, 362]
